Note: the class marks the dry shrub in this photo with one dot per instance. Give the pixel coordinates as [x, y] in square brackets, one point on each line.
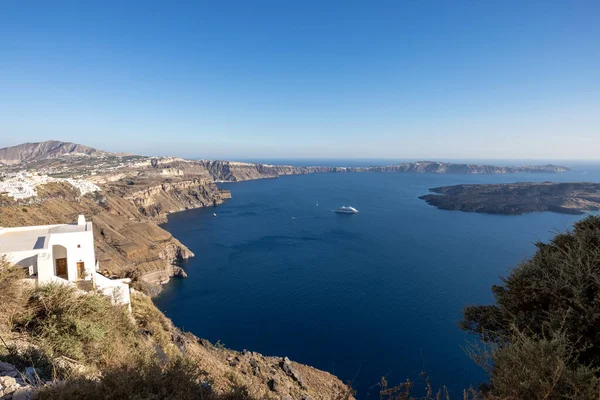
[152, 322]
[541, 369]
[31, 356]
[144, 379]
[13, 296]
[87, 328]
[407, 391]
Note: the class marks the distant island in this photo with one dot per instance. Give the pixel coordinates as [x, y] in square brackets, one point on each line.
[518, 198]
[52, 156]
[437, 167]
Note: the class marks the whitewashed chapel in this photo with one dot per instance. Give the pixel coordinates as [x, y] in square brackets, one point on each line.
[61, 253]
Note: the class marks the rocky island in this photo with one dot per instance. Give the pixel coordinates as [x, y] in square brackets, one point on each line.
[518, 198]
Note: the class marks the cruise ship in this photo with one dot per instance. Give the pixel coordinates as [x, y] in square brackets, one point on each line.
[346, 210]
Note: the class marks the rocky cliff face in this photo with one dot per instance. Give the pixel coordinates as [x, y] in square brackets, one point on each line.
[236, 171]
[128, 241]
[157, 201]
[43, 150]
[231, 171]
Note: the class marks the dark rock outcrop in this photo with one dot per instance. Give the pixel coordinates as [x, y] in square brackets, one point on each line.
[291, 371]
[518, 198]
[179, 272]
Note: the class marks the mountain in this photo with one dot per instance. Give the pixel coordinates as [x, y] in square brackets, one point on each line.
[44, 150]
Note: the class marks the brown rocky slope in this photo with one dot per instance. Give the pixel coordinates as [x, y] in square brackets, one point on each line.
[128, 240]
[77, 341]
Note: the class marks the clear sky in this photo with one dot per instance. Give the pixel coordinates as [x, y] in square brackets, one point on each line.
[296, 79]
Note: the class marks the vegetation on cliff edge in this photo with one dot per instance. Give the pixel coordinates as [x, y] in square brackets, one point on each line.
[92, 349]
[540, 340]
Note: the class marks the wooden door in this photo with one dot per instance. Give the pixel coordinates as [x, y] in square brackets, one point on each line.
[61, 268]
[80, 270]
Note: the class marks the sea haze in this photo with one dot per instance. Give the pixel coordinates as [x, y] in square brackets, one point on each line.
[363, 296]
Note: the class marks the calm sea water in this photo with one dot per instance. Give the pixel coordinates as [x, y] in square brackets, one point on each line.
[363, 296]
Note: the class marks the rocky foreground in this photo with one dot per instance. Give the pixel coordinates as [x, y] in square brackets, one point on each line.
[50, 355]
[518, 198]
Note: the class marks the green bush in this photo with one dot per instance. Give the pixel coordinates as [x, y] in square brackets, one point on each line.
[544, 325]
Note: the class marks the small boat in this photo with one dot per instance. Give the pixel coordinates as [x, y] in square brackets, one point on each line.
[346, 210]
[214, 214]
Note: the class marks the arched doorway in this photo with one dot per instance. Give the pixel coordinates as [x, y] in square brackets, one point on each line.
[59, 254]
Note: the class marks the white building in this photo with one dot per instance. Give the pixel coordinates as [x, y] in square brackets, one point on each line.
[60, 253]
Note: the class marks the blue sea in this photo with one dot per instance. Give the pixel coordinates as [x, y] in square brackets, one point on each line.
[362, 296]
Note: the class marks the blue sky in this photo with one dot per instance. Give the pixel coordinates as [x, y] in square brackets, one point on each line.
[297, 79]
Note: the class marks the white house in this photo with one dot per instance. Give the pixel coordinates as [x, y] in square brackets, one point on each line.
[60, 253]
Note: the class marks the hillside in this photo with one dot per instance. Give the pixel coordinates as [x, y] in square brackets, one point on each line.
[44, 150]
[81, 346]
[129, 243]
[518, 198]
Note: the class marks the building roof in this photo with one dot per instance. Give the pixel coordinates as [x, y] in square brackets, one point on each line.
[23, 240]
[70, 228]
[35, 237]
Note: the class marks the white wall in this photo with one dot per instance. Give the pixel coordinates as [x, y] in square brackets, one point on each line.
[80, 247]
[24, 259]
[113, 288]
[45, 267]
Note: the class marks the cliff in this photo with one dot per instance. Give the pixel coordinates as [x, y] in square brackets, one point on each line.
[518, 198]
[129, 243]
[238, 171]
[156, 201]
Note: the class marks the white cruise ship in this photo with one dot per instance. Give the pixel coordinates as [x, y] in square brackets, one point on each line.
[346, 210]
